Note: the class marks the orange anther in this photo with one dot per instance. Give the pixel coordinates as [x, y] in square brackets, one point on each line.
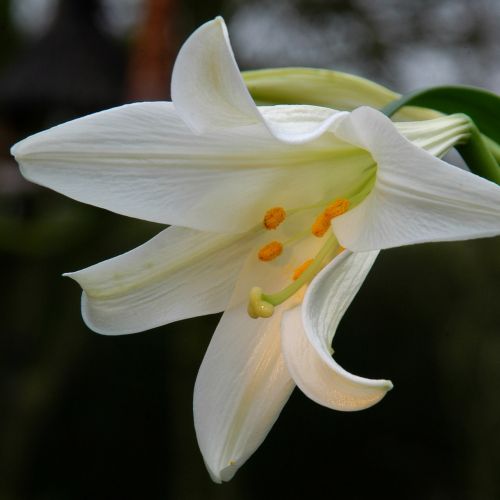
[320, 226]
[270, 251]
[322, 222]
[298, 272]
[337, 208]
[274, 217]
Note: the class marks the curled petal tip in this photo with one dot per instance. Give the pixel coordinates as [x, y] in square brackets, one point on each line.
[13, 150]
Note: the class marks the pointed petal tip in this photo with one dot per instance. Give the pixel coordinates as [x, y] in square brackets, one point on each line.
[14, 150]
[28, 146]
[19, 149]
[380, 388]
[222, 474]
[241, 387]
[215, 477]
[228, 472]
[74, 275]
[207, 88]
[219, 20]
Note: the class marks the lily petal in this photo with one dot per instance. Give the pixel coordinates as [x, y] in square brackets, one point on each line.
[207, 88]
[416, 197]
[240, 390]
[141, 160]
[208, 91]
[178, 274]
[243, 382]
[301, 124]
[307, 333]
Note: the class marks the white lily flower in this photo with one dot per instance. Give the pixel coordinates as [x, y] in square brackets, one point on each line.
[214, 165]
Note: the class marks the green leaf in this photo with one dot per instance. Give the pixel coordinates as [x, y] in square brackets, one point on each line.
[480, 105]
[482, 151]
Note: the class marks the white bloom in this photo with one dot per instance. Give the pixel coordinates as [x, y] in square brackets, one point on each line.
[211, 164]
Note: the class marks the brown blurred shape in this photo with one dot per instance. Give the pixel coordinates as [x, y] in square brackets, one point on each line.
[152, 55]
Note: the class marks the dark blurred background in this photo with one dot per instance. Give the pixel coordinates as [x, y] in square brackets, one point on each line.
[84, 416]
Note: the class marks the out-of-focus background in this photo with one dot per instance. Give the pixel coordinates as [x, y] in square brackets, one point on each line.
[84, 416]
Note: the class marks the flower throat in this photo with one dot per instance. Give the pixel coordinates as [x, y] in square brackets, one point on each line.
[261, 305]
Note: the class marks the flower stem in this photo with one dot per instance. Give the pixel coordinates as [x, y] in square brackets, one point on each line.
[493, 146]
[479, 157]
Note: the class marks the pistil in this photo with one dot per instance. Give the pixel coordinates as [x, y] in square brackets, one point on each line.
[262, 304]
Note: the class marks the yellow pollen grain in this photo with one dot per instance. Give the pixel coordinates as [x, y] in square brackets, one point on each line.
[322, 222]
[298, 272]
[270, 251]
[274, 217]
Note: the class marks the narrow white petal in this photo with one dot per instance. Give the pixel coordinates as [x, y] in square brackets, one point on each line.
[307, 333]
[243, 383]
[178, 274]
[416, 197]
[208, 92]
[141, 160]
[240, 390]
[207, 88]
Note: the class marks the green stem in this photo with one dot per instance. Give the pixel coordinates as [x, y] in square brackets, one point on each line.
[493, 146]
[479, 157]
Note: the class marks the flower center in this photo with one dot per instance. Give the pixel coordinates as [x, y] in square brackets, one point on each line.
[262, 304]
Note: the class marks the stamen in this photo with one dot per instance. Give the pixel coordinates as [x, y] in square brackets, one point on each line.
[337, 208]
[320, 226]
[274, 217]
[298, 272]
[322, 222]
[262, 304]
[270, 251]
